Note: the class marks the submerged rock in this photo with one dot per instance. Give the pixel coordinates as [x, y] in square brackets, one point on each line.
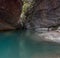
[43, 14]
[10, 11]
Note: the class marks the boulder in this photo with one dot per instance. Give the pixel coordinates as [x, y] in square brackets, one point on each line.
[52, 36]
[43, 14]
[10, 11]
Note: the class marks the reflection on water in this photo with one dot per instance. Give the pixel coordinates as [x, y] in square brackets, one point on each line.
[16, 44]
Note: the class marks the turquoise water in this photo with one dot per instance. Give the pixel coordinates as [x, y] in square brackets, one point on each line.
[21, 44]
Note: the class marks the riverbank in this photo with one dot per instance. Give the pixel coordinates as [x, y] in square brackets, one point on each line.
[51, 36]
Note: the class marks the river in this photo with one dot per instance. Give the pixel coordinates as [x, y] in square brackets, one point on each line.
[22, 44]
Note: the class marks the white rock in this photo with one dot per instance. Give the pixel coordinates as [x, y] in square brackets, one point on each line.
[52, 36]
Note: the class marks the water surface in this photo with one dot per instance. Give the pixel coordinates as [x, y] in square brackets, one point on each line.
[22, 44]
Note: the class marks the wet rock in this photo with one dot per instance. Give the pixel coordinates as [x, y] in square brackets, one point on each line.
[5, 26]
[10, 11]
[44, 13]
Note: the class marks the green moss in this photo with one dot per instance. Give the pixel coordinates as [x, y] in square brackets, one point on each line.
[27, 4]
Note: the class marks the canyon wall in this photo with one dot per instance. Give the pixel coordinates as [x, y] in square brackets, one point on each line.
[43, 14]
[10, 11]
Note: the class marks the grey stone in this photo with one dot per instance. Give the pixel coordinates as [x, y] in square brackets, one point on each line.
[44, 13]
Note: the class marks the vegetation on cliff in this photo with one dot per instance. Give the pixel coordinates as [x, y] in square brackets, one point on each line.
[27, 5]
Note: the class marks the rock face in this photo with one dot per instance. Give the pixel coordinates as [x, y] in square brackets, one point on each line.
[10, 11]
[44, 13]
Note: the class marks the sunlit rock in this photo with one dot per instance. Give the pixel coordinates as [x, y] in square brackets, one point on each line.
[53, 36]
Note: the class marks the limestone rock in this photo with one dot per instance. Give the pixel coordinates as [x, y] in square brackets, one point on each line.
[44, 13]
[52, 36]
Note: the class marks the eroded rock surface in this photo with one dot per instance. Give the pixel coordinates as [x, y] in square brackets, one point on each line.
[10, 11]
[44, 13]
[52, 36]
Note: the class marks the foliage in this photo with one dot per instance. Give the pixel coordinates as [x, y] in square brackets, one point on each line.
[27, 4]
